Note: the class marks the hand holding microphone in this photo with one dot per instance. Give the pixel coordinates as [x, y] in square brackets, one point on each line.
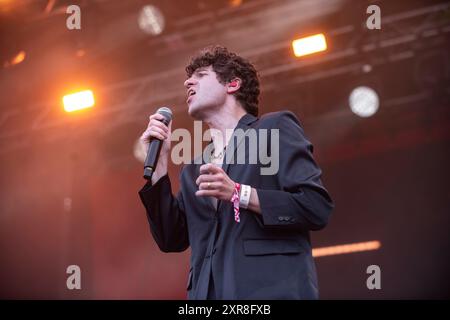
[156, 140]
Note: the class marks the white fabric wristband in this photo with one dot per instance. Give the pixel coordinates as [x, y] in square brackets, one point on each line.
[244, 196]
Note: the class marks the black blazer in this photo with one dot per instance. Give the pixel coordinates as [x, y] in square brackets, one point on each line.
[265, 256]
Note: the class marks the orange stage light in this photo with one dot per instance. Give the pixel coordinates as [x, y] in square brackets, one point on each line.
[346, 248]
[309, 45]
[79, 100]
[235, 3]
[18, 58]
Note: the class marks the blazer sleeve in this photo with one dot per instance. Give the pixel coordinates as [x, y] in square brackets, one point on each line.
[166, 215]
[302, 201]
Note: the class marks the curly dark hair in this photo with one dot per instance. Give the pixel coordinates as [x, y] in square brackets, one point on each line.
[227, 66]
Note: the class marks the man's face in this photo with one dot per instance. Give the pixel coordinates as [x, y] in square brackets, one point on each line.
[204, 92]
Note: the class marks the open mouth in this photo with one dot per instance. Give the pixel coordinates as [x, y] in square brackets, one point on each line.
[190, 93]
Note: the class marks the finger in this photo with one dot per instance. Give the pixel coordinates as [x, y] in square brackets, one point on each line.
[214, 169]
[204, 169]
[156, 116]
[206, 193]
[159, 124]
[206, 178]
[207, 186]
[209, 168]
[153, 133]
[157, 135]
[159, 130]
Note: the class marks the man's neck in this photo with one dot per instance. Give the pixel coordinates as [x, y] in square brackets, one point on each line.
[222, 125]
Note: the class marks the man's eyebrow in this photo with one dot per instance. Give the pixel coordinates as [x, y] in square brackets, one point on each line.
[201, 69]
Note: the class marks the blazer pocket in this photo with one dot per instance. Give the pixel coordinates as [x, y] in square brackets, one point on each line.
[189, 282]
[259, 247]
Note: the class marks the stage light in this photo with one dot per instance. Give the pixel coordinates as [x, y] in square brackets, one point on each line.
[79, 100]
[364, 101]
[151, 20]
[366, 68]
[309, 45]
[234, 3]
[18, 58]
[346, 248]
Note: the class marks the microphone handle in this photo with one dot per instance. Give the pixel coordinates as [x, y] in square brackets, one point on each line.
[153, 152]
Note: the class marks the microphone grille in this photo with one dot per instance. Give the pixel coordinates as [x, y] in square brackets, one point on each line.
[166, 112]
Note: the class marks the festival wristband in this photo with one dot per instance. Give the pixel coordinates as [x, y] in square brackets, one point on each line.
[244, 197]
[235, 201]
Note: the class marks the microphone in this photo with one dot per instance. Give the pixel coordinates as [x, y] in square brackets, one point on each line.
[155, 145]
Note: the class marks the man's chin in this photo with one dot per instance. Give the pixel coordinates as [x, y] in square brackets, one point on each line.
[194, 112]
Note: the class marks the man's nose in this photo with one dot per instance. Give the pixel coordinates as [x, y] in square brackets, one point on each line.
[189, 82]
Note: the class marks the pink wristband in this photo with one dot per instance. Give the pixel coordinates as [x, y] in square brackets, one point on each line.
[235, 201]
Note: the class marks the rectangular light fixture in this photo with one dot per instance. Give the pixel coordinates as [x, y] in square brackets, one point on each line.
[78, 100]
[346, 248]
[309, 45]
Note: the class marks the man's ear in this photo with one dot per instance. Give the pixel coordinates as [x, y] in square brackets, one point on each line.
[234, 85]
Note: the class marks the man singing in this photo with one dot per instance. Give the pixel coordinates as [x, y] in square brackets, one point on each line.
[248, 228]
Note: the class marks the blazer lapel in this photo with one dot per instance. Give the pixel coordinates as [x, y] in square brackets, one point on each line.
[206, 158]
[230, 153]
[235, 141]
